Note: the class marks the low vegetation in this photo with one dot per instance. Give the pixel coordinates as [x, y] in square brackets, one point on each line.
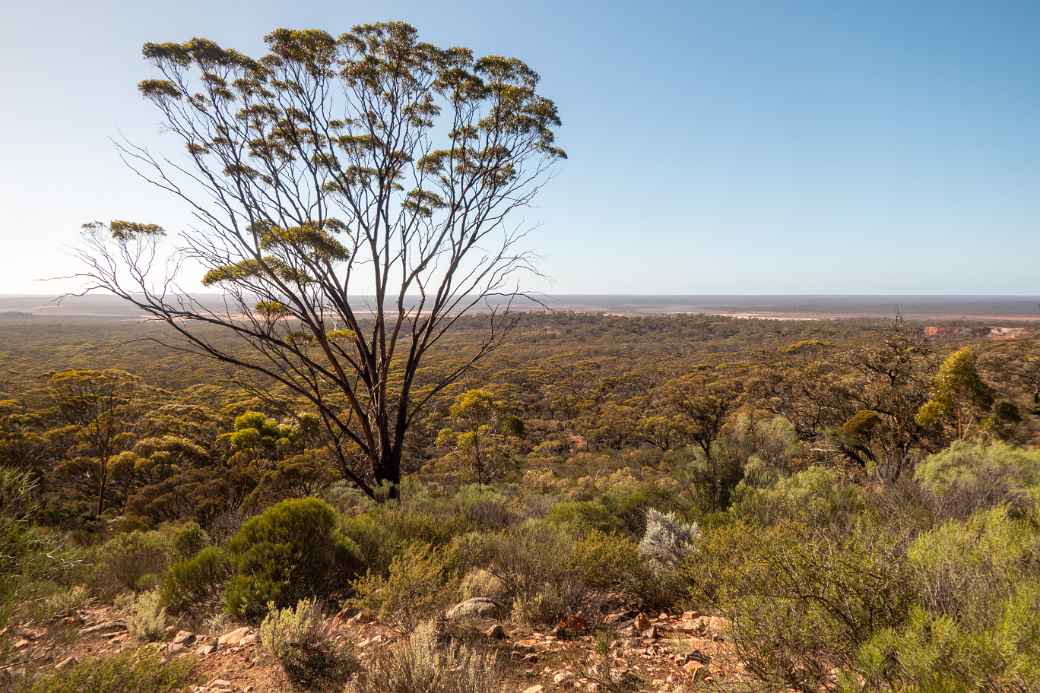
[847, 543]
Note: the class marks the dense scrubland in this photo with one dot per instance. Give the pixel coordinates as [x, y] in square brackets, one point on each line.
[853, 505]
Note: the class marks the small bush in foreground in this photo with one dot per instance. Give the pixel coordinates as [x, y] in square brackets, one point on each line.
[964, 568]
[480, 583]
[298, 639]
[419, 581]
[612, 563]
[145, 615]
[63, 602]
[141, 670]
[534, 562]
[129, 558]
[802, 602]
[933, 652]
[419, 665]
[196, 581]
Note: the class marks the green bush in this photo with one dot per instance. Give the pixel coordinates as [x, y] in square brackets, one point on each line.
[630, 503]
[935, 652]
[289, 552]
[613, 563]
[197, 580]
[802, 602]
[124, 561]
[928, 653]
[478, 582]
[817, 496]
[420, 579]
[62, 601]
[971, 476]
[964, 569]
[583, 516]
[140, 670]
[384, 531]
[17, 505]
[187, 539]
[535, 563]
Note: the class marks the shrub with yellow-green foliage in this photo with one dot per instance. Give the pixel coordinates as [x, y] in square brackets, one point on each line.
[291, 551]
[187, 539]
[145, 615]
[614, 563]
[973, 475]
[195, 582]
[534, 562]
[818, 496]
[802, 601]
[964, 569]
[420, 580]
[134, 670]
[478, 582]
[133, 560]
[934, 652]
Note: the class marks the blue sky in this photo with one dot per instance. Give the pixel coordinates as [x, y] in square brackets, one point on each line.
[715, 147]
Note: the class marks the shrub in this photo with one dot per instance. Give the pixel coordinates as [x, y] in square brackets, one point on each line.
[482, 507]
[299, 640]
[197, 580]
[611, 562]
[63, 602]
[287, 553]
[930, 653]
[127, 558]
[419, 665]
[534, 562]
[935, 652]
[971, 476]
[187, 539]
[965, 568]
[419, 580]
[145, 615]
[817, 496]
[140, 670]
[629, 503]
[480, 583]
[667, 541]
[551, 603]
[17, 505]
[383, 532]
[802, 602]
[582, 516]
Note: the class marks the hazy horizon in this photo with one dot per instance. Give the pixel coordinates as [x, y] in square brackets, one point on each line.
[802, 306]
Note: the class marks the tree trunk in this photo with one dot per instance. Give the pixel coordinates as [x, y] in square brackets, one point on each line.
[388, 472]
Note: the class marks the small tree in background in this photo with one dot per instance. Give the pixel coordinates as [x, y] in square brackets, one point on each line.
[95, 408]
[353, 199]
[959, 397]
[484, 435]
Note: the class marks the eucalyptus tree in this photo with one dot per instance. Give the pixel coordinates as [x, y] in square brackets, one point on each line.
[96, 411]
[353, 198]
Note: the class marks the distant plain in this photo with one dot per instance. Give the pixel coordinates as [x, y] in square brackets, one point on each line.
[782, 307]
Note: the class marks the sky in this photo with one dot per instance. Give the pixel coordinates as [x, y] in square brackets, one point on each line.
[733, 147]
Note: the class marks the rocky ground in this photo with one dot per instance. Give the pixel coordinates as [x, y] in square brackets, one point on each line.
[663, 652]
